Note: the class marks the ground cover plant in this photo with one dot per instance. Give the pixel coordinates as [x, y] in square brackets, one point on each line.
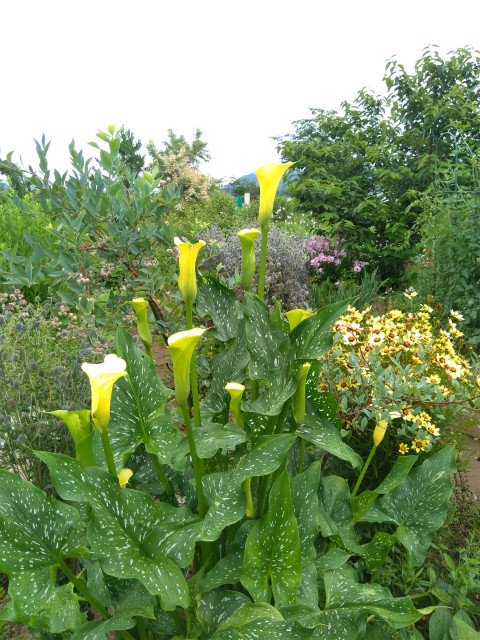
[221, 525]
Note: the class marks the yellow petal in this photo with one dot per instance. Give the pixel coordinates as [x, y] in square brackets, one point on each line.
[181, 346]
[296, 316]
[187, 280]
[124, 476]
[269, 177]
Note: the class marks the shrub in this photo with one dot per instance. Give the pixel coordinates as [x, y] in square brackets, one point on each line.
[287, 276]
[40, 356]
[398, 368]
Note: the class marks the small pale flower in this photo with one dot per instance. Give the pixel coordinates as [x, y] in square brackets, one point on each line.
[457, 315]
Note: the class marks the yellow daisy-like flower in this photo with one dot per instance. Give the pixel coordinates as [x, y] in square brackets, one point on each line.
[456, 315]
[349, 338]
[432, 429]
[376, 339]
[343, 385]
[419, 445]
[406, 414]
[403, 448]
[434, 379]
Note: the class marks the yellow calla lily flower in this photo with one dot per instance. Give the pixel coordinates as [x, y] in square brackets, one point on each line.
[140, 306]
[235, 389]
[269, 177]
[187, 281]
[102, 378]
[298, 400]
[379, 432]
[247, 239]
[296, 316]
[124, 477]
[181, 346]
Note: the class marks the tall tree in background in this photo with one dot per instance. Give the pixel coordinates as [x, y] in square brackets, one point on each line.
[363, 172]
[129, 152]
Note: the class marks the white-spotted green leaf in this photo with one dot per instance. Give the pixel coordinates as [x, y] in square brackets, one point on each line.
[282, 384]
[328, 625]
[266, 457]
[220, 304]
[277, 319]
[344, 593]
[227, 366]
[306, 510]
[411, 506]
[376, 551]
[272, 563]
[335, 511]
[324, 403]
[213, 437]
[322, 433]
[263, 628]
[263, 338]
[227, 503]
[218, 606]
[36, 532]
[332, 559]
[132, 536]
[138, 408]
[397, 474]
[313, 337]
[99, 629]
[227, 570]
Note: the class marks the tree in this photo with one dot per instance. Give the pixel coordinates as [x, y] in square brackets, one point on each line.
[240, 186]
[194, 151]
[363, 172]
[128, 152]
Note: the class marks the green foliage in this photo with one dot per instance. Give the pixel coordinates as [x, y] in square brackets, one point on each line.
[40, 361]
[103, 236]
[128, 151]
[195, 151]
[362, 172]
[241, 186]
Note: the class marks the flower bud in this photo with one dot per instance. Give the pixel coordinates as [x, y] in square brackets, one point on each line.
[236, 392]
[187, 281]
[181, 346]
[379, 432]
[247, 238]
[124, 476]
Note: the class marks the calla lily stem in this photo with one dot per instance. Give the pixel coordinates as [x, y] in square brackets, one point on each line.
[363, 472]
[193, 373]
[108, 452]
[197, 470]
[160, 473]
[81, 587]
[263, 262]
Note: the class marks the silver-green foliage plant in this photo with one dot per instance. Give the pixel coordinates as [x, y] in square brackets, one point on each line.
[106, 228]
[227, 531]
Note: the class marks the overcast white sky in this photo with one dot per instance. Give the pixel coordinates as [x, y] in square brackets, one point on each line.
[240, 71]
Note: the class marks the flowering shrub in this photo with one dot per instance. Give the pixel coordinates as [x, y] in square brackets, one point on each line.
[176, 168]
[398, 368]
[287, 276]
[329, 257]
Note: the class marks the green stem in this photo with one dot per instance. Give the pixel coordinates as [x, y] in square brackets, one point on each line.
[89, 597]
[262, 495]
[362, 473]
[108, 452]
[160, 473]
[193, 373]
[263, 262]
[197, 471]
[254, 390]
[142, 632]
[302, 451]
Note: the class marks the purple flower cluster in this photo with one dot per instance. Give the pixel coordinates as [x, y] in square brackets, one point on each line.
[325, 250]
[358, 265]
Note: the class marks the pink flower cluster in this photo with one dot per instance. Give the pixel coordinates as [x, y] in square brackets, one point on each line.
[325, 250]
[358, 265]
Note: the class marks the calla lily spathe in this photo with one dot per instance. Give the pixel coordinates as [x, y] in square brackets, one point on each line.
[247, 239]
[187, 281]
[235, 389]
[181, 346]
[269, 177]
[298, 400]
[124, 477]
[102, 378]
[379, 432]
[140, 306]
[296, 316]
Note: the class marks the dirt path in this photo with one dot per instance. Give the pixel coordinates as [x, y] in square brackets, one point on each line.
[471, 455]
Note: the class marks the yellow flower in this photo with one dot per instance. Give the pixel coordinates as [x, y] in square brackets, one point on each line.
[187, 281]
[457, 315]
[298, 400]
[269, 177]
[124, 476]
[419, 445]
[434, 379]
[235, 389]
[296, 316]
[403, 448]
[181, 346]
[247, 239]
[102, 378]
[379, 432]
[140, 306]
